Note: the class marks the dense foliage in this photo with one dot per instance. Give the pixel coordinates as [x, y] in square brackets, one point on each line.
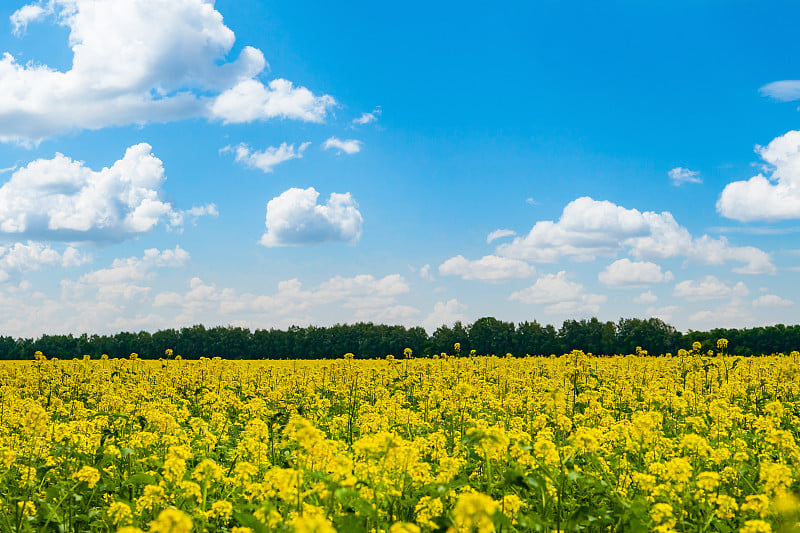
[367, 340]
[671, 444]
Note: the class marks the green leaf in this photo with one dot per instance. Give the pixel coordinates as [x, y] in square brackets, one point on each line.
[140, 479]
[250, 521]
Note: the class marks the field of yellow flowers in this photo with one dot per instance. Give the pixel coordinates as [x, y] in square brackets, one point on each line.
[687, 442]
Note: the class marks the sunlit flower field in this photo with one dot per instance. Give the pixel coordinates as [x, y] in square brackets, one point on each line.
[453, 443]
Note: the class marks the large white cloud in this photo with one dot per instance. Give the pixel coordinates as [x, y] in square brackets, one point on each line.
[627, 273]
[137, 61]
[294, 218]
[487, 268]
[590, 228]
[775, 196]
[561, 295]
[62, 199]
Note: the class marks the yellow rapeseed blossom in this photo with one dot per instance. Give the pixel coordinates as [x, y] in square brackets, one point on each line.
[88, 474]
[171, 520]
[755, 526]
[473, 511]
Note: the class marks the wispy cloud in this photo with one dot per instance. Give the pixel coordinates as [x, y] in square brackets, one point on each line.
[680, 175]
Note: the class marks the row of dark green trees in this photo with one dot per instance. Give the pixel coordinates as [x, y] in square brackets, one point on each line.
[365, 340]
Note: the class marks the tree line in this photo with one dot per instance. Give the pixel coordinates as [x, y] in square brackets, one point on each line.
[366, 340]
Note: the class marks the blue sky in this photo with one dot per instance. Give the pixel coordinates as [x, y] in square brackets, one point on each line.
[165, 163]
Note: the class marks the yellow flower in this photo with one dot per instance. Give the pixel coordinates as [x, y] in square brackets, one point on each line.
[726, 507]
[661, 512]
[119, 512]
[88, 474]
[473, 512]
[426, 510]
[207, 470]
[758, 503]
[27, 508]
[404, 527]
[171, 520]
[755, 526]
[707, 481]
[221, 510]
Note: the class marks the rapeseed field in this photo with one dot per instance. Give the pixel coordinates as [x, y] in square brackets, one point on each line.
[690, 442]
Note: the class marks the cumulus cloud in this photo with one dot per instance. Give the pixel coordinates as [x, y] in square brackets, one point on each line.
[627, 273]
[62, 199]
[24, 257]
[708, 288]
[123, 279]
[139, 61]
[680, 175]
[366, 118]
[775, 196]
[266, 159]
[784, 90]
[445, 313]
[499, 234]
[590, 228]
[349, 146]
[771, 300]
[294, 218]
[251, 100]
[370, 297]
[561, 295]
[487, 268]
[646, 297]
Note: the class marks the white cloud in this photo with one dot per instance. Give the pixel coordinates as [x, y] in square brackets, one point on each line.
[775, 196]
[561, 295]
[487, 268]
[784, 90]
[664, 313]
[294, 218]
[349, 146]
[627, 273]
[729, 315]
[445, 313]
[24, 257]
[139, 61]
[499, 234]
[123, 279]
[251, 100]
[366, 118]
[680, 175]
[25, 15]
[62, 199]
[708, 288]
[771, 300]
[371, 298]
[589, 228]
[425, 272]
[266, 159]
[646, 298]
